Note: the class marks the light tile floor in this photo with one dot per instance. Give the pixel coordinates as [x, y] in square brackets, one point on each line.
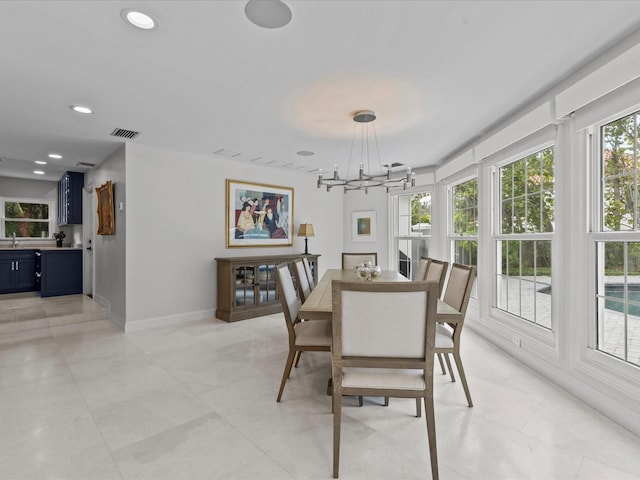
[85, 401]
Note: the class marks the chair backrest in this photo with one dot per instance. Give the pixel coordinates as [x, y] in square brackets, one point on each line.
[436, 272]
[307, 267]
[350, 260]
[387, 321]
[288, 298]
[421, 272]
[304, 289]
[459, 288]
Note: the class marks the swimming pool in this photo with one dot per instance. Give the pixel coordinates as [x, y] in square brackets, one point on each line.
[616, 290]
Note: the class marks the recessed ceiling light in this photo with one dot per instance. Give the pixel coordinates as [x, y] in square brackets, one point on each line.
[41, 162]
[305, 153]
[268, 13]
[57, 156]
[38, 172]
[138, 19]
[81, 109]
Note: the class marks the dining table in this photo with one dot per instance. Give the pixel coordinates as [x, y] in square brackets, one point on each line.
[319, 306]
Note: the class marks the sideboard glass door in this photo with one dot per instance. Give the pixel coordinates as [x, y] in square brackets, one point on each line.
[267, 283]
[245, 285]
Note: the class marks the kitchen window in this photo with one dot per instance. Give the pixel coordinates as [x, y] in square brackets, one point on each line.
[26, 218]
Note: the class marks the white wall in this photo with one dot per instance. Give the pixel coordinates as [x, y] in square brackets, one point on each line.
[25, 188]
[175, 217]
[358, 201]
[109, 251]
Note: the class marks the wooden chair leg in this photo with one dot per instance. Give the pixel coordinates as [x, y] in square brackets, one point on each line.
[418, 407]
[287, 371]
[463, 377]
[446, 358]
[337, 412]
[386, 401]
[431, 434]
[360, 400]
[444, 372]
[298, 355]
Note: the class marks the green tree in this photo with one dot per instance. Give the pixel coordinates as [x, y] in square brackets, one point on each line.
[620, 152]
[465, 221]
[421, 208]
[620, 174]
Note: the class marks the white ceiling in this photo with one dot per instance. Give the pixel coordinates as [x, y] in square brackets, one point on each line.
[437, 73]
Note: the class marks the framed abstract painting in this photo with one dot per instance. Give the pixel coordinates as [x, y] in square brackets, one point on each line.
[364, 226]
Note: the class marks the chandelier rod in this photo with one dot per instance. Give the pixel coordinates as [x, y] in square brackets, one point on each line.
[366, 180]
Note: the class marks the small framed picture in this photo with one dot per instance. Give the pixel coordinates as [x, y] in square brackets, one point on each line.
[258, 215]
[364, 228]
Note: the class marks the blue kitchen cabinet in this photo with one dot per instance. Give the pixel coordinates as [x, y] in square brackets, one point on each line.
[61, 272]
[17, 271]
[70, 188]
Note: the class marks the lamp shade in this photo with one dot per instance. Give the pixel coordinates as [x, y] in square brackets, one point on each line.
[305, 230]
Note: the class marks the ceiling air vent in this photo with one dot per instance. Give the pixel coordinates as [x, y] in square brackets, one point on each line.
[85, 164]
[122, 133]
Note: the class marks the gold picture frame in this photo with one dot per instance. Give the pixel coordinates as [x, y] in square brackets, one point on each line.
[106, 212]
[258, 215]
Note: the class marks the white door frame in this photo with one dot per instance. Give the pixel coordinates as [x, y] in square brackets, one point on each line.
[88, 240]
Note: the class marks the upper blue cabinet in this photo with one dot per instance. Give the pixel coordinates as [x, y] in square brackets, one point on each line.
[70, 198]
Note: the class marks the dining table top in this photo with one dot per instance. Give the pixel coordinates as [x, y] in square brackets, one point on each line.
[319, 304]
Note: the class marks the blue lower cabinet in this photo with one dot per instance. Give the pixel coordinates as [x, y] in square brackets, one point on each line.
[61, 272]
[17, 271]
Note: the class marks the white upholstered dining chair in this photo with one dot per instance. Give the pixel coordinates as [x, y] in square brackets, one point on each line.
[307, 267]
[448, 335]
[423, 265]
[437, 272]
[350, 260]
[303, 336]
[302, 280]
[377, 352]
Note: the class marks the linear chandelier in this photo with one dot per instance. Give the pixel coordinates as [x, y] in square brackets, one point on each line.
[366, 180]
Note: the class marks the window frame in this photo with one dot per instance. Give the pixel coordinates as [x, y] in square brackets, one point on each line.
[544, 335]
[51, 221]
[394, 220]
[452, 236]
[596, 234]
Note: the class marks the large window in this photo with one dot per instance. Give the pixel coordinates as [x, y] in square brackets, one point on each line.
[464, 227]
[618, 241]
[412, 230]
[523, 244]
[25, 218]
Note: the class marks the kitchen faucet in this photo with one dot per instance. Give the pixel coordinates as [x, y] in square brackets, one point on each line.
[14, 242]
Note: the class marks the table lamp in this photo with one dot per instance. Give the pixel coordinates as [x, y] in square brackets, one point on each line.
[306, 230]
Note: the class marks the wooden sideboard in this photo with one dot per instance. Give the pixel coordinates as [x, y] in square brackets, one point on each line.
[247, 285]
